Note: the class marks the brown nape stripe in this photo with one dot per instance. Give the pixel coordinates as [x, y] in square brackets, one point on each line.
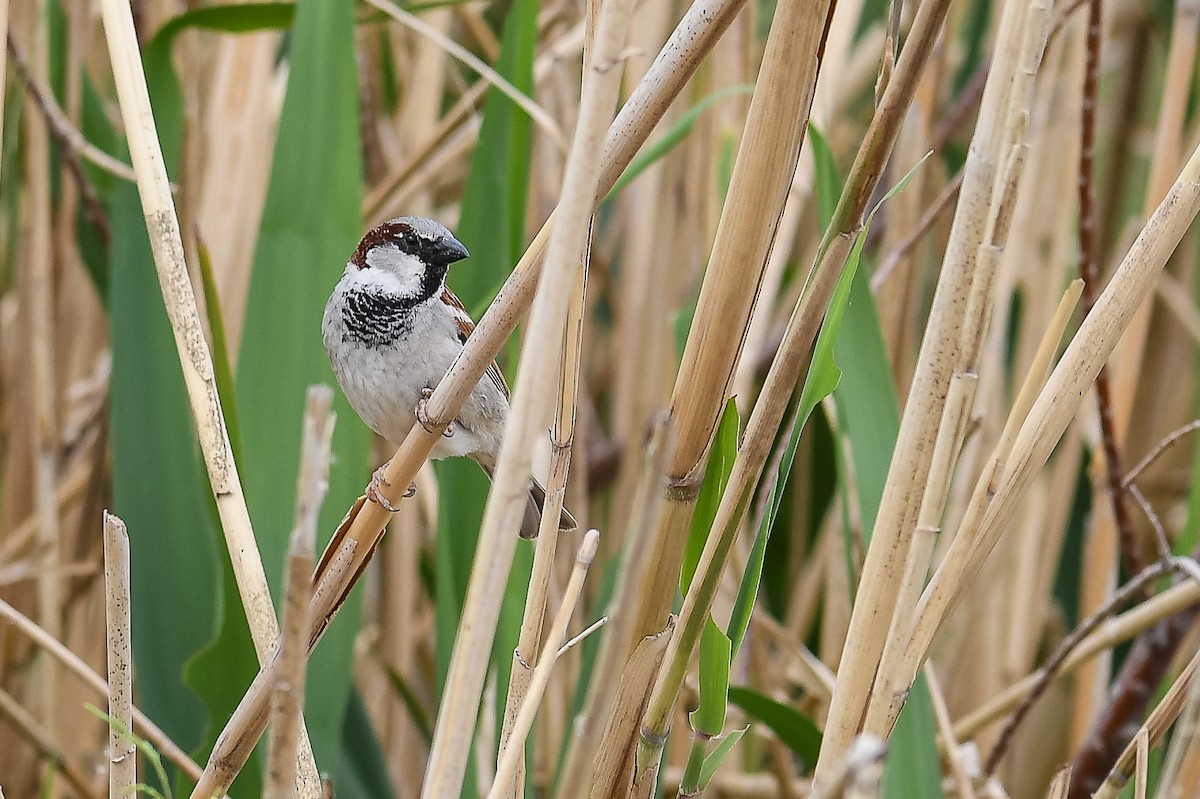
[380, 234]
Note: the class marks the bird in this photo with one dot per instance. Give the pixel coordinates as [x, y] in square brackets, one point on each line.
[392, 328]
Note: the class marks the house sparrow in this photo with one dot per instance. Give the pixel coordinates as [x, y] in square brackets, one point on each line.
[392, 328]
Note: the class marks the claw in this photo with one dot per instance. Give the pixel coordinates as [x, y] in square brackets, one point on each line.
[378, 482]
[423, 415]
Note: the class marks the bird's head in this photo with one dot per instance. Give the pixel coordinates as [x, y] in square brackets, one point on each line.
[408, 255]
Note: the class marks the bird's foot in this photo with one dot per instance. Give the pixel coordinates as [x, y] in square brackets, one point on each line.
[378, 482]
[422, 414]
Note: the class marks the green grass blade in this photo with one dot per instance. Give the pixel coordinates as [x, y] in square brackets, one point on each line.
[718, 755]
[311, 222]
[797, 731]
[716, 475]
[715, 656]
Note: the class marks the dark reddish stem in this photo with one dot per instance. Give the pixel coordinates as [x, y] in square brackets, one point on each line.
[1089, 270]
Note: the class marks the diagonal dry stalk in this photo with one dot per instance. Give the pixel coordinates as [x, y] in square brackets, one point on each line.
[41, 740]
[195, 358]
[144, 726]
[122, 754]
[354, 541]
[1058, 402]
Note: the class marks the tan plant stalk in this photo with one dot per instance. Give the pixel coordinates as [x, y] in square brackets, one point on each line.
[506, 769]
[762, 175]
[561, 435]
[1060, 398]
[122, 754]
[786, 368]
[167, 246]
[194, 356]
[585, 749]
[37, 319]
[894, 674]
[3, 65]
[945, 726]
[913, 453]
[143, 725]
[533, 399]
[355, 540]
[287, 700]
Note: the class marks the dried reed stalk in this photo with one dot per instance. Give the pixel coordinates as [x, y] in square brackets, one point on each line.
[194, 356]
[36, 285]
[923, 412]
[355, 540]
[762, 175]
[562, 433]
[590, 744]
[287, 695]
[506, 769]
[122, 753]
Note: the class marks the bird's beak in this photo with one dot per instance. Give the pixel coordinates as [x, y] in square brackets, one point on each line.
[449, 250]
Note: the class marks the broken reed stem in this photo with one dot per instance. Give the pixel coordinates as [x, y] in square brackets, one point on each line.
[287, 693]
[349, 550]
[913, 453]
[561, 437]
[145, 727]
[506, 770]
[38, 737]
[533, 399]
[585, 747]
[122, 753]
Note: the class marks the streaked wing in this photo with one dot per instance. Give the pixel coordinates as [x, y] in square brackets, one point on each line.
[466, 327]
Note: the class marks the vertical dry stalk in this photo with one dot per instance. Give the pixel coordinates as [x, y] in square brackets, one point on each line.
[562, 433]
[37, 309]
[123, 764]
[586, 747]
[533, 398]
[762, 175]
[122, 769]
[506, 770]
[913, 453]
[145, 727]
[287, 695]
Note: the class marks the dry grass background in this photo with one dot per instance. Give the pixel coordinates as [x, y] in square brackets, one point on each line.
[1025, 531]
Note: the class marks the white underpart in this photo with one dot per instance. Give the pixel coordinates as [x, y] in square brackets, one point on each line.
[383, 384]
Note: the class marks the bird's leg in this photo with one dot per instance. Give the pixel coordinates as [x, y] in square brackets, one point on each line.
[378, 482]
[423, 414]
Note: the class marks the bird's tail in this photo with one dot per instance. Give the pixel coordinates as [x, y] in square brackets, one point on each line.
[533, 512]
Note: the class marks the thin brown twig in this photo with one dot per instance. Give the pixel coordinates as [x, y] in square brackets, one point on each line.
[1089, 270]
[1050, 668]
[1166, 442]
